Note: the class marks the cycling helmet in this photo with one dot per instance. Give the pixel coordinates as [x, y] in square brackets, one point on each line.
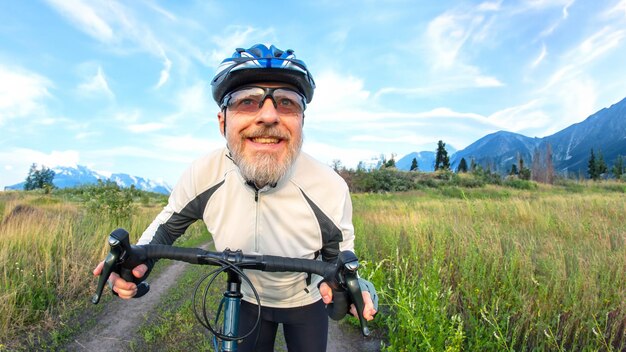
[261, 64]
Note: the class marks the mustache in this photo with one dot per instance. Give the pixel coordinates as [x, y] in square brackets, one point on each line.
[266, 132]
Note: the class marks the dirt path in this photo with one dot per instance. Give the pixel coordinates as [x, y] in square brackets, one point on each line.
[120, 320]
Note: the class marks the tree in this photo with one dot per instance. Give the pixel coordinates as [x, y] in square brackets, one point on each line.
[592, 167]
[414, 166]
[37, 178]
[462, 166]
[550, 174]
[336, 165]
[601, 165]
[524, 172]
[473, 165]
[618, 167]
[536, 171]
[442, 161]
[542, 165]
[513, 171]
[596, 166]
[391, 162]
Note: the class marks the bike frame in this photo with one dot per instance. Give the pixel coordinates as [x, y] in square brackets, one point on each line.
[341, 276]
[232, 301]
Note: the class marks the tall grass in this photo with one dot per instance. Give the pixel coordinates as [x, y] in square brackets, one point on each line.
[48, 248]
[458, 269]
[498, 270]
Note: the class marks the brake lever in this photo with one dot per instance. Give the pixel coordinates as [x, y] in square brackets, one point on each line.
[350, 267]
[122, 259]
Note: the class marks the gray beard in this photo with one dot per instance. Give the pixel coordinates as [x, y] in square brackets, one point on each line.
[264, 169]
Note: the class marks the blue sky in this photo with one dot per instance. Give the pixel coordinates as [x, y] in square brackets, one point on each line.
[124, 86]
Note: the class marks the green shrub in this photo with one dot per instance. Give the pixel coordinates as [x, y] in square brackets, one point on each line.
[109, 199]
[383, 180]
[520, 184]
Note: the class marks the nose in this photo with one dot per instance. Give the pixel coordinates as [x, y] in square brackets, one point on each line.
[268, 114]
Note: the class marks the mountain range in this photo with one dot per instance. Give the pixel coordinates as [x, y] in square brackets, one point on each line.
[66, 177]
[603, 131]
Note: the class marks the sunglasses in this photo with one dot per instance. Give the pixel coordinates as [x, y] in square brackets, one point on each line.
[250, 100]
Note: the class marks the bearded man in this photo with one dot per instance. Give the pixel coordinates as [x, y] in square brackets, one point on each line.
[263, 195]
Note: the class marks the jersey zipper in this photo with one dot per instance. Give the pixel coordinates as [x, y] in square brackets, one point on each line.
[256, 227]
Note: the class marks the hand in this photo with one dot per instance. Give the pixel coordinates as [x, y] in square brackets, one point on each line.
[368, 310]
[123, 288]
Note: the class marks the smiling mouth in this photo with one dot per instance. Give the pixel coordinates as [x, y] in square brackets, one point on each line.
[266, 140]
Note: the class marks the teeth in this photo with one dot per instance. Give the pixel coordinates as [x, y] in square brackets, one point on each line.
[265, 140]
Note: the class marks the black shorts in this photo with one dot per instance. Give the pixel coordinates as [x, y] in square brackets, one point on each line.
[306, 328]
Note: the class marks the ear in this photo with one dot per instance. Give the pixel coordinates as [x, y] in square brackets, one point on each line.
[221, 118]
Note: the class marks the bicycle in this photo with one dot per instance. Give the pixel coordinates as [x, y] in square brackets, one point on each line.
[342, 277]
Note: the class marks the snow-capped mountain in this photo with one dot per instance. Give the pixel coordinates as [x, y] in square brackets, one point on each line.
[66, 177]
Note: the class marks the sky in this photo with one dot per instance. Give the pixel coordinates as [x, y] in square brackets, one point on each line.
[124, 86]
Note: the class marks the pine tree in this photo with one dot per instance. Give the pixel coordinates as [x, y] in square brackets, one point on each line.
[513, 171]
[592, 167]
[618, 167]
[442, 161]
[414, 165]
[462, 166]
[601, 165]
[524, 172]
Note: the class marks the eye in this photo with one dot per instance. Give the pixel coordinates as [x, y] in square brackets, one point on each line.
[247, 101]
[286, 102]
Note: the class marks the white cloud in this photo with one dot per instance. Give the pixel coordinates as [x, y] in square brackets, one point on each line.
[490, 6]
[335, 92]
[85, 18]
[21, 93]
[96, 86]
[618, 9]
[194, 101]
[17, 161]
[409, 139]
[542, 55]
[326, 153]
[188, 143]
[521, 118]
[127, 116]
[164, 74]
[598, 44]
[146, 127]
[237, 37]
[114, 24]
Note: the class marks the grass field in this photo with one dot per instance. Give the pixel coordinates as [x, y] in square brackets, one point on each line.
[496, 269]
[458, 269]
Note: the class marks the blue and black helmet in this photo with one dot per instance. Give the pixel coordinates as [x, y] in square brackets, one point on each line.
[261, 64]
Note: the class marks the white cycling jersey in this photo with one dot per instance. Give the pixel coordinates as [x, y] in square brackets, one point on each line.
[309, 212]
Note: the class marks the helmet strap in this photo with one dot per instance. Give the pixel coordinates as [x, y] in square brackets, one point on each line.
[224, 113]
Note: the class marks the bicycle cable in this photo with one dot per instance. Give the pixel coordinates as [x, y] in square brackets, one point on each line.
[203, 318]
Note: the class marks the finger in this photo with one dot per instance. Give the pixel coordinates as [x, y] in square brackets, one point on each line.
[326, 292]
[98, 269]
[353, 311]
[140, 270]
[123, 288]
[125, 294]
[368, 310]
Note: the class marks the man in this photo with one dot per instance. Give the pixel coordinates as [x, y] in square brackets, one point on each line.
[262, 195]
